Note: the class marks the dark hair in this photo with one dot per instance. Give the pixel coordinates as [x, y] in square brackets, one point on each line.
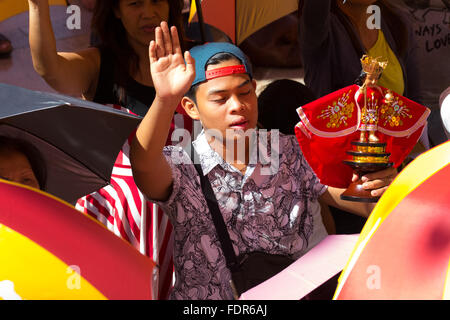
[113, 36]
[31, 153]
[278, 102]
[214, 60]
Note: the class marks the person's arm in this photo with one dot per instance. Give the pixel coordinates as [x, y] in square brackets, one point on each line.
[314, 24]
[378, 182]
[172, 78]
[317, 45]
[67, 72]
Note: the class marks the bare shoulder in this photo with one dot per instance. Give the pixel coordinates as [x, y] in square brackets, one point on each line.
[92, 53]
[84, 60]
[86, 67]
[90, 56]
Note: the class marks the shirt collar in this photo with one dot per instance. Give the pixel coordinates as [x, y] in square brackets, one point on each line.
[209, 158]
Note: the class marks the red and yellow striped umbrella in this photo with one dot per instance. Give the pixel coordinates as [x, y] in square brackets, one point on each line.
[404, 249]
[239, 19]
[51, 251]
[10, 8]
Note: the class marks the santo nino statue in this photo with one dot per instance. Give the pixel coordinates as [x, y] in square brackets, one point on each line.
[358, 114]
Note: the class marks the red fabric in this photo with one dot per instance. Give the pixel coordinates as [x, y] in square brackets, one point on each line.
[325, 157]
[411, 248]
[329, 125]
[107, 262]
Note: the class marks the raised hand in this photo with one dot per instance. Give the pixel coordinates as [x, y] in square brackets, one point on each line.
[172, 77]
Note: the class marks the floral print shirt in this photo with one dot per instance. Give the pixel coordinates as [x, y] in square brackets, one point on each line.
[275, 213]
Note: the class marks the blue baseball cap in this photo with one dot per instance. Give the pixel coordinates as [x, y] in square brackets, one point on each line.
[204, 52]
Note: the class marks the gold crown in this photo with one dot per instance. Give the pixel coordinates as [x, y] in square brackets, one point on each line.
[373, 66]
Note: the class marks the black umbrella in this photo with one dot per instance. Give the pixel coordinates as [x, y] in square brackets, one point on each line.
[79, 140]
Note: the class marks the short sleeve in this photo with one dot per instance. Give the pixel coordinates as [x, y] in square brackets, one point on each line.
[316, 188]
[178, 161]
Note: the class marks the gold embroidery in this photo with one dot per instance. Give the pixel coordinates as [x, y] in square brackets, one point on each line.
[369, 115]
[338, 112]
[394, 112]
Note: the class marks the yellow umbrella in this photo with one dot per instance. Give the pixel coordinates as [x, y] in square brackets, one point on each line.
[10, 8]
[241, 18]
[49, 250]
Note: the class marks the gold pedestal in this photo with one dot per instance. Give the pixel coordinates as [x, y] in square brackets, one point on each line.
[366, 157]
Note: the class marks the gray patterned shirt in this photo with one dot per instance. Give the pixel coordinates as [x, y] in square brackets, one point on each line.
[277, 214]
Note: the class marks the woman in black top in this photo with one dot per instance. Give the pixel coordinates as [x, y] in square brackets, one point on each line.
[118, 71]
[133, 95]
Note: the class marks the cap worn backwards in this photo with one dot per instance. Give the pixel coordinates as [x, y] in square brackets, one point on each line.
[203, 53]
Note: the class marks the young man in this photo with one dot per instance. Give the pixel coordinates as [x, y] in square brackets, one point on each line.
[271, 212]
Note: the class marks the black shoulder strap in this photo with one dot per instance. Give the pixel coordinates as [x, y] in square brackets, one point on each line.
[217, 218]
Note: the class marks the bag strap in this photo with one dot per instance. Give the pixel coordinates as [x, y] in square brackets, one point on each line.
[219, 223]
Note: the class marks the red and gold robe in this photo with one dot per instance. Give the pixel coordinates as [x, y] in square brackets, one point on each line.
[328, 126]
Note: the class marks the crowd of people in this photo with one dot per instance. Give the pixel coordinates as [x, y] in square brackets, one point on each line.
[141, 61]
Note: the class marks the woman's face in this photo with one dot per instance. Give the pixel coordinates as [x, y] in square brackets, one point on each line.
[14, 166]
[228, 104]
[141, 17]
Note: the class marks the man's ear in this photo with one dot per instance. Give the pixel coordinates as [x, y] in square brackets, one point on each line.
[190, 107]
[254, 84]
